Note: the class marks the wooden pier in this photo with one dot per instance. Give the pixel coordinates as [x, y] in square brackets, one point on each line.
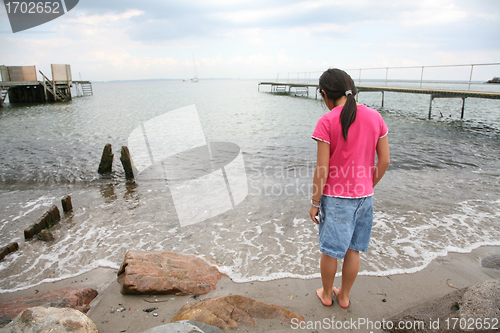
[285, 87]
[20, 84]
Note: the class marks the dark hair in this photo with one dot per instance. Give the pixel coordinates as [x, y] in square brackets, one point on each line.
[337, 83]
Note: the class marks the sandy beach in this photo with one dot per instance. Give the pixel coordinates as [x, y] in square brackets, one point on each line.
[113, 312]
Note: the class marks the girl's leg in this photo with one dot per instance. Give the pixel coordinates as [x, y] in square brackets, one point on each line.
[328, 268]
[350, 270]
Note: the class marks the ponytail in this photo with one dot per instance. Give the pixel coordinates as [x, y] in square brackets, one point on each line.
[348, 114]
[337, 83]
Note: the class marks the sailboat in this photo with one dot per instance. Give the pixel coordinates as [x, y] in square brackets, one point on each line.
[195, 78]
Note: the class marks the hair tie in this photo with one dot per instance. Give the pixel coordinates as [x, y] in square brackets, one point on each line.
[348, 92]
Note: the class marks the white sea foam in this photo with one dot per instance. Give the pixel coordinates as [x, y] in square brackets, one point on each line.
[246, 247]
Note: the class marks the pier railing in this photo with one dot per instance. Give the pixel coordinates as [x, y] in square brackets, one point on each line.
[466, 74]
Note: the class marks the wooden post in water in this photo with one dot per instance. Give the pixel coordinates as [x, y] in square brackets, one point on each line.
[12, 247]
[127, 163]
[66, 204]
[106, 160]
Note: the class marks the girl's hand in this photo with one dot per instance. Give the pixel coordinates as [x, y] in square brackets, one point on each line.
[313, 213]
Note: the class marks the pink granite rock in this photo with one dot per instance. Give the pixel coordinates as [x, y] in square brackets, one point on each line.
[228, 311]
[41, 319]
[71, 297]
[162, 272]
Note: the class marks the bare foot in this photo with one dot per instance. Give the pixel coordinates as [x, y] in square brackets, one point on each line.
[344, 303]
[325, 300]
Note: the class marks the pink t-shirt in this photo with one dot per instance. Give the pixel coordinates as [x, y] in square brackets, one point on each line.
[352, 162]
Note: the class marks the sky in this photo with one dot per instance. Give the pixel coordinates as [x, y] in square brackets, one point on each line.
[152, 39]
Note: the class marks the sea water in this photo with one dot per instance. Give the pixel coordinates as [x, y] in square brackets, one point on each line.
[440, 194]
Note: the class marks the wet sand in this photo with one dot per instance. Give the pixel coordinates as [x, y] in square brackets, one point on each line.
[113, 312]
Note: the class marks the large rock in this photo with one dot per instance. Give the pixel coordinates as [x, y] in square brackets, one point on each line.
[40, 319]
[162, 272]
[228, 311]
[72, 297]
[481, 301]
[185, 326]
[448, 313]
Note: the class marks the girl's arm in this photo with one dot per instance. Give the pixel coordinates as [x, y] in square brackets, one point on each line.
[320, 176]
[384, 159]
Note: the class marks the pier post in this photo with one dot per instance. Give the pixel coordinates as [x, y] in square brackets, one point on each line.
[382, 99]
[430, 107]
[463, 108]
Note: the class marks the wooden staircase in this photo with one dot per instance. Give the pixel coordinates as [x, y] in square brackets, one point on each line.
[5, 91]
[52, 89]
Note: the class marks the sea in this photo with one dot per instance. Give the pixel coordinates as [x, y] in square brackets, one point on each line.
[441, 193]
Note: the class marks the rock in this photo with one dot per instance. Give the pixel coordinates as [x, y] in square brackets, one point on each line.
[184, 326]
[478, 301]
[45, 236]
[40, 319]
[12, 247]
[72, 297]
[481, 301]
[228, 311]
[492, 261]
[106, 160]
[162, 272]
[127, 163]
[66, 204]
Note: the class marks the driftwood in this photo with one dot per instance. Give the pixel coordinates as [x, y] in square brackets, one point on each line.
[48, 219]
[12, 247]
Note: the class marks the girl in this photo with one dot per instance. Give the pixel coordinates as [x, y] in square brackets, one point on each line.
[348, 137]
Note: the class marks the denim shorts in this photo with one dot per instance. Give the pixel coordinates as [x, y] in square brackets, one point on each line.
[344, 224]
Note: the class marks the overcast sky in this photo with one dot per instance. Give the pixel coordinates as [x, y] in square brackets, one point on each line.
[148, 39]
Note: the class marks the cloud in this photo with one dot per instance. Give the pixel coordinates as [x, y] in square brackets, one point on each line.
[432, 13]
[243, 38]
[105, 19]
